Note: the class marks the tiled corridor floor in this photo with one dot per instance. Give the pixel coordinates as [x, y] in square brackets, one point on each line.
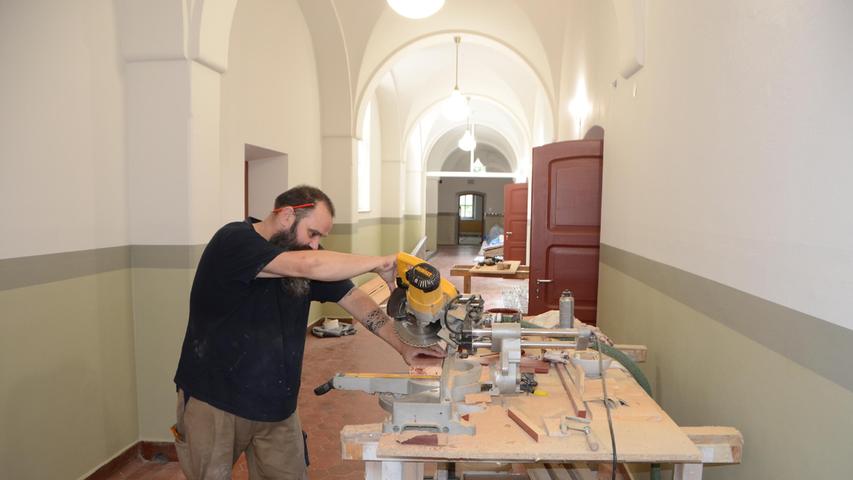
[323, 417]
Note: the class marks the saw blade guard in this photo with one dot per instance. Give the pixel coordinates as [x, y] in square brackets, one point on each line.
[430, 293]
[418, 306]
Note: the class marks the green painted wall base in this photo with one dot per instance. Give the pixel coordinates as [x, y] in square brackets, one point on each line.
[796, 423]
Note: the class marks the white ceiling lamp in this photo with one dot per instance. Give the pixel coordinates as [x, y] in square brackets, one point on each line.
[456, 108]
[416, 8]
[468, 142]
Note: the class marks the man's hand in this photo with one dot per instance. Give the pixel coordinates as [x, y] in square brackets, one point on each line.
[422, 357]
[365, 310]
[387, 269]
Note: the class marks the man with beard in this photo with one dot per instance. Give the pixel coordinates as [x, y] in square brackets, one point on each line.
[239, 372]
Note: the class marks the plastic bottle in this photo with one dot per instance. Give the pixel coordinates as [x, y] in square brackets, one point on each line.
[567, 309]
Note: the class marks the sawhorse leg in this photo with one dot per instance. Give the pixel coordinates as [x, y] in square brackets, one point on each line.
[393, 470]
[687, 471]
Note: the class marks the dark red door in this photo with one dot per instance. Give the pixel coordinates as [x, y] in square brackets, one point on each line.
[515, 221]
[565, 225]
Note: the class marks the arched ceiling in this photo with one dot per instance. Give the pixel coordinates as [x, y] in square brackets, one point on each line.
[490, 157]
[493, 124]
[510, 60]
[488, 138]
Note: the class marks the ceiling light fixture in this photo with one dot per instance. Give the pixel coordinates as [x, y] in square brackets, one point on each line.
[416, 8]
[456, 108]
[468, 142]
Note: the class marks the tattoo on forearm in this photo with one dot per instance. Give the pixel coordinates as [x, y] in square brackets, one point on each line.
[375, 320]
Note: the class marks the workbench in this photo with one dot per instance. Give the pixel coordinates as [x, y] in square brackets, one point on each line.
[644, 434]
[466, 271]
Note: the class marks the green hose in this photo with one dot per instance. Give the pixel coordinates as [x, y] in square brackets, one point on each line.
[632, 368]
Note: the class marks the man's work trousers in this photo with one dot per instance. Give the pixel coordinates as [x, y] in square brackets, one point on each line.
[212, 441]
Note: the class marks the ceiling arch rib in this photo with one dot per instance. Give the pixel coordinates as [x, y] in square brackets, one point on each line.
[424, 70]
[489, 141]
[494, 124]
[459, 161]
[506, 25]
[333, 66]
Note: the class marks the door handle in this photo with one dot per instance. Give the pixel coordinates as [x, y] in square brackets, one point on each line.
[507, 233]
[540, 281]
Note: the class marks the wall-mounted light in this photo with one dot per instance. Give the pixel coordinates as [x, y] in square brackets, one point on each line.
[580, 107]
[416, 8]
[456, 107]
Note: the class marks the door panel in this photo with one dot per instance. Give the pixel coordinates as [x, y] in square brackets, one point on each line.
[581, 279]
[577, 201]
[565, 226]
[515, 221]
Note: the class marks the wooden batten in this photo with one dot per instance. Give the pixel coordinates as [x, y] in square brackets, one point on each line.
[637, 353]
[717, 444]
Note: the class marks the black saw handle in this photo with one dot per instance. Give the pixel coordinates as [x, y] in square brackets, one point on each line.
[325, 388]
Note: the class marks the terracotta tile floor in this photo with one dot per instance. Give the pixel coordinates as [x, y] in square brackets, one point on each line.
[323, 417]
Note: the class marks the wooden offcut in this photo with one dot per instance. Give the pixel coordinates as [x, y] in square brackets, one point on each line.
[525, 423]
[575, 397]
[496, 270]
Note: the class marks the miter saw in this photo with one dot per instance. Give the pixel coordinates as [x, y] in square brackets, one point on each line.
[427, 310]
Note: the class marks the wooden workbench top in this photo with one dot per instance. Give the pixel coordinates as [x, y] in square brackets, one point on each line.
[644, 432]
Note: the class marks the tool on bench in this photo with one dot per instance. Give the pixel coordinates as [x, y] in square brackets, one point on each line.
[580, 425]
[428, 309]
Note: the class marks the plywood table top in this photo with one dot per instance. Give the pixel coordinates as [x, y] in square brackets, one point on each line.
[644, 432]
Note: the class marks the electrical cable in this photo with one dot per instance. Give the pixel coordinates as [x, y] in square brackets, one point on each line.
[640, 377]
[606, 406]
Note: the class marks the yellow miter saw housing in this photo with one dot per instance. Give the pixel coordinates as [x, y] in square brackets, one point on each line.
[427, 308]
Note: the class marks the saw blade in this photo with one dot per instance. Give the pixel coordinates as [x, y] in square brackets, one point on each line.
[415, 335]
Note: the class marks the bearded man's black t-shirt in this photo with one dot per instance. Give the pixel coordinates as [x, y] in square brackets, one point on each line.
[242, 352]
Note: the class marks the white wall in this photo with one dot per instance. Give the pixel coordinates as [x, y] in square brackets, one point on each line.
[62, 169]
[732, 161]
[67, 385]
[270, 97]
[375, 164]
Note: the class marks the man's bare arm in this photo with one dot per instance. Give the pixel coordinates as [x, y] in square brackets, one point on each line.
[369, 314]
[326, 265]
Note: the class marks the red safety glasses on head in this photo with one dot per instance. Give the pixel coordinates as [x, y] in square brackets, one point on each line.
[295, 207]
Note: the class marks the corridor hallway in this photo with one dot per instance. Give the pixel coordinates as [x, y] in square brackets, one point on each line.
[324, 417]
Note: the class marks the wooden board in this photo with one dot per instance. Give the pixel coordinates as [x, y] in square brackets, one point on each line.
[377, 289]
[499, 438]
[718, 444]
[495, 270]
[493, 251]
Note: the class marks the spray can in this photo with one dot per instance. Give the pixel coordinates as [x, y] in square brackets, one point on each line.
[567, 309]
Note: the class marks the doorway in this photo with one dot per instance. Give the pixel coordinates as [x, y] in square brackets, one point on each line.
[264, 177]
[469, 218]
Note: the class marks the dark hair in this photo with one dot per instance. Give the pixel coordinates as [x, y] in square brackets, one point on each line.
[301, 195]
